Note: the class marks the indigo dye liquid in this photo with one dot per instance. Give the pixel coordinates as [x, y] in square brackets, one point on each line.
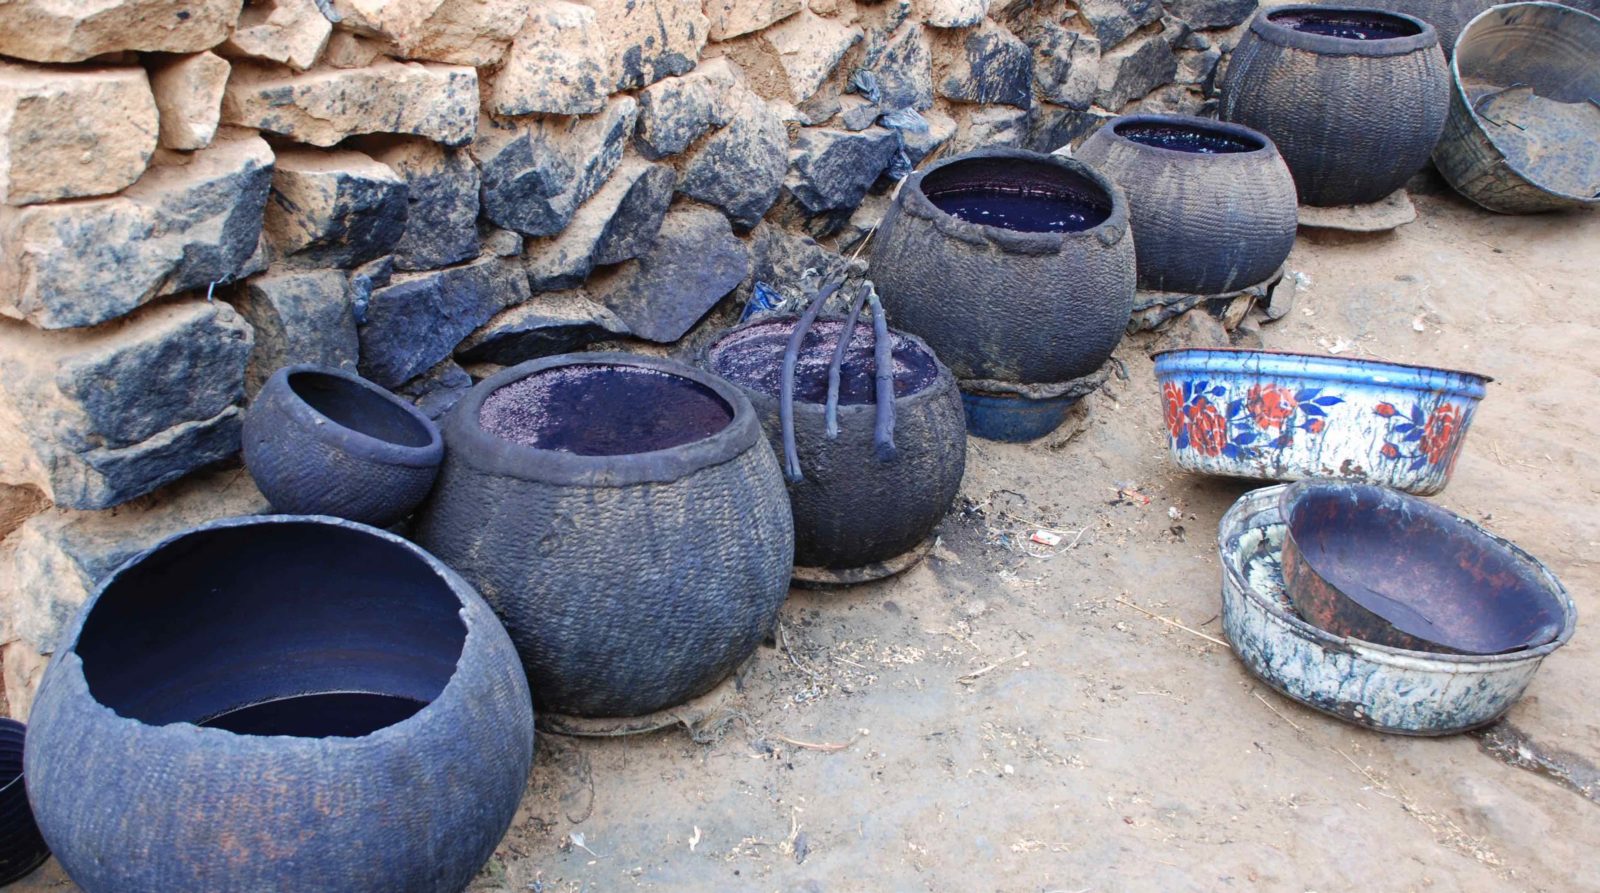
[604, 410]
[1022, 210]
[1186, 139]
[1348, 25]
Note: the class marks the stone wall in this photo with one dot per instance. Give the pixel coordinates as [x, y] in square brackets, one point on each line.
[195, 192]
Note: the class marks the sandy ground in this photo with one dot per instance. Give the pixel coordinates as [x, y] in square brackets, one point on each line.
[997, 720]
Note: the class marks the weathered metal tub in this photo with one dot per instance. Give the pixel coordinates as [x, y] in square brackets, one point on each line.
[1388, 689]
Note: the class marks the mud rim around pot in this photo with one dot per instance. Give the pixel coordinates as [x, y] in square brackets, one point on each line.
[1272, 25]
[1255, 143]
[424, 449]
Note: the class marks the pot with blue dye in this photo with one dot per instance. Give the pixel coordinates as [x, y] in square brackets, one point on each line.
[280, 703]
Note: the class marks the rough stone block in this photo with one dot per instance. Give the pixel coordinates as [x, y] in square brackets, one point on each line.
[731, 18]
[695, 261]
[349, 50]
[288, 32]
[918, 146]
[559, 322]
[990, 126]
[75, 30]
[72, 133]
[792, 60]
[537, 172]
[953, 13]
[419, 318]
[985, 65]
[1134, 69]
[99, 416]
[1114, 20]
[181, 227]
[619, 223]
[903, 65]
[299, 316]
[557, 64]
[781, 258]
[830, 171]
[740, 168]
[1066, 64]
[1213, 13]
[389, 20]
[51, 565]
[648, 40]
[18, 503]
[1054, 126]
[188, 91]
[334, 208]
[463, 32]
[441, 217]
[325, 106]
[437, 390]
[675, 112]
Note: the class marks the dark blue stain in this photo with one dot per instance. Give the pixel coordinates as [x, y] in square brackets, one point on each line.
[1180, 138]
[754, 358]
[1022, 210]
[604, 410]
[1348, 24]
[332, 714]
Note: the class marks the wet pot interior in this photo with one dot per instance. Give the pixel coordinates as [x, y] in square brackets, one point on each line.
[1017, 194]
[1349, 24]
[753, 358]
[1418, 568]
[359, 408]
[604, 409]
[1183, 136]
[286, 628]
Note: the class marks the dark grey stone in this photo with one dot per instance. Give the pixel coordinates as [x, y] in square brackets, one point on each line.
[991, 66]
[902, 64]
[560, 322]
[677, 111]
[740, 168]
[434, 392]
[1054, 126]
[1114, 20]
[858, 115]
[632, 228]
[695, 261]
[1134, 69]
[298, 317]
[618, 223]
[371, 275]
[1066, 64]
[830, 171]
[441, 202]
[419, 318]
[781, 259]
[1212, 13]
[537, 173]
[338, 208]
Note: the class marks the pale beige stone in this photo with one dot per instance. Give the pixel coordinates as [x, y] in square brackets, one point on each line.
[557, 65]
[18, 503]
[465, 32]
[792, 60]
[75, 30]
[289, 32]
[349, 50]
[953, 13]
[69, 133]
[325, 106]
[648, 40]
[188, 93]
[393, 20]
[731, 18]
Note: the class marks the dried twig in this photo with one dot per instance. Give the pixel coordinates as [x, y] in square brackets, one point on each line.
[969, 678]
[1268, 704]
[1170, 622]
[825, 747]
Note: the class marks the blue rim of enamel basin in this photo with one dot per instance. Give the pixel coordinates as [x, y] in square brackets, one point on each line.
[1279, 364]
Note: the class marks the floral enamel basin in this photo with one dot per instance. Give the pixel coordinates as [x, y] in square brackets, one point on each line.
[1285, 416]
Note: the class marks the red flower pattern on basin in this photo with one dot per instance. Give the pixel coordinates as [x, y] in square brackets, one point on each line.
[1423, 438]
[1200, 414]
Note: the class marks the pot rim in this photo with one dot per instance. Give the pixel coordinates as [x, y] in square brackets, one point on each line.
[69, 665]
[1227, 128]
[331, 431]
[1460, 89]
[521, 462]
[1108, 232]
[1327, 45]
[943, 380]
[1358, 370]
[9, 724]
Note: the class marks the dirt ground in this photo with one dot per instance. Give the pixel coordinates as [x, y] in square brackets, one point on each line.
[998, 719]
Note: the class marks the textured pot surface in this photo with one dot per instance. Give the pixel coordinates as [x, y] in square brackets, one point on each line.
[1007, 304]
[1448, 17]
[852, 509]
[1213, 204]
[1521, 133]
[1283, 416]
[1354, 119]
[322, 441]
[280, 703]
[1389, 689]
[629, 582]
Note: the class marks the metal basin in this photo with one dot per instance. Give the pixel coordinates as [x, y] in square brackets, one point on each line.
[1389, 689]
[1369, 563]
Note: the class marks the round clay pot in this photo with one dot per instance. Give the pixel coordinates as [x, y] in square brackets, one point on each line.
[1447, 17]
[22, 849]
[280, 703]
[1213, 205]
[626, 519]
[1354, 98]
[1041, 293]
[322, 441]
[851, 509]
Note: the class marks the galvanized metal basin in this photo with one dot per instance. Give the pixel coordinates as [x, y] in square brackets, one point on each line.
[1383, 688]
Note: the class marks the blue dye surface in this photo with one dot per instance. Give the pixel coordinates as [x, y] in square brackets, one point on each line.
[1348, 25]
[1021, 210]
[1185, 139]
[341, 714]
[604, 410]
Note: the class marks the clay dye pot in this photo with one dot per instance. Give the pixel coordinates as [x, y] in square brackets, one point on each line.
[1447, 17]
[280, 703]
[323, 441]
[1353, 98]
[1523, 121]
[851, 509]
[626, 519]
[1213, 204]
[1011, 265]
[1373, 564]
[22, 848]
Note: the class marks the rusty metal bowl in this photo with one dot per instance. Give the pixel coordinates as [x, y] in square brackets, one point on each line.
[1374, 564]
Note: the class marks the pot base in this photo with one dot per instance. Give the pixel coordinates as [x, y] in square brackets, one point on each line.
[1387, 213]
[1152, 308]
[835, 578]
[694, 714]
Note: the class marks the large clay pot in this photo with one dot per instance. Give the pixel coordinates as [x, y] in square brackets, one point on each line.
[853, 510]
[626, 520]
[1041, 293]
[1447, 17]
[1354, 98]
[1213, 204]
[280, 703]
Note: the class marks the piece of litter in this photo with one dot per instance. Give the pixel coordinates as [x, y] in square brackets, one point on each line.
[1009, 769]
[576, 837]
[694, 839]
[1418, 326]
[1174, 513]
[1046, 538]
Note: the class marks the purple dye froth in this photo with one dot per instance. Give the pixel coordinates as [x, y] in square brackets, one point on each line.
[1347, 24]
[1186, 138]
[753, 358]
[604, 410]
